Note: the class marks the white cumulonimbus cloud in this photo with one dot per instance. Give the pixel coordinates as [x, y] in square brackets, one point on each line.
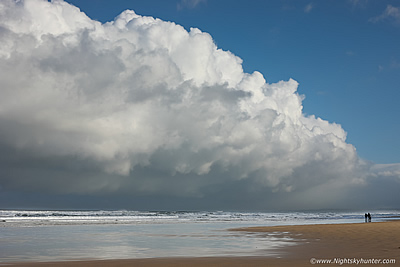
[138, 104]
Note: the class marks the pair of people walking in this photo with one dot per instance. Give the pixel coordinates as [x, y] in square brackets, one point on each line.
[367, 217]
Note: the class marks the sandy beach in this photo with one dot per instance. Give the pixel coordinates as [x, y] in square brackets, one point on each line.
[366, 244]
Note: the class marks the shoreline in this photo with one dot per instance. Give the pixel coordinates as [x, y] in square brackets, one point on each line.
[340, 242]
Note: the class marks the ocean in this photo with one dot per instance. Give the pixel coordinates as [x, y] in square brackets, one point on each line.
[33, 235]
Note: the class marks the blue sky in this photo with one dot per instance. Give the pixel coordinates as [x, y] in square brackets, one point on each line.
[345, 54]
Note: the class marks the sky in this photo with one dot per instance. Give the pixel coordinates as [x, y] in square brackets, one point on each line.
[199, 104]
[343, 53]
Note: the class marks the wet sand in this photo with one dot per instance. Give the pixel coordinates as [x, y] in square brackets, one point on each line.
[340, 243]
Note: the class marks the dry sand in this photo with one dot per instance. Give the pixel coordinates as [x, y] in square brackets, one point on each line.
[342, 243]
[380, 240]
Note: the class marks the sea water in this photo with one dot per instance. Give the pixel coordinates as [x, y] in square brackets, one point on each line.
[78, 235]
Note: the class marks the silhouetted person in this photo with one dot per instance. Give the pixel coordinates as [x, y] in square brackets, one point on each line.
[366, 217]
[369, 217]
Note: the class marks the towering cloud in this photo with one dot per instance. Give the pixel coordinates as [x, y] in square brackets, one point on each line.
[140, 106]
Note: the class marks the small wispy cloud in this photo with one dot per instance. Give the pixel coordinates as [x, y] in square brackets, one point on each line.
[308, 8]
[190, 4]
[395, 64]
[358, 3]
[390, 13]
